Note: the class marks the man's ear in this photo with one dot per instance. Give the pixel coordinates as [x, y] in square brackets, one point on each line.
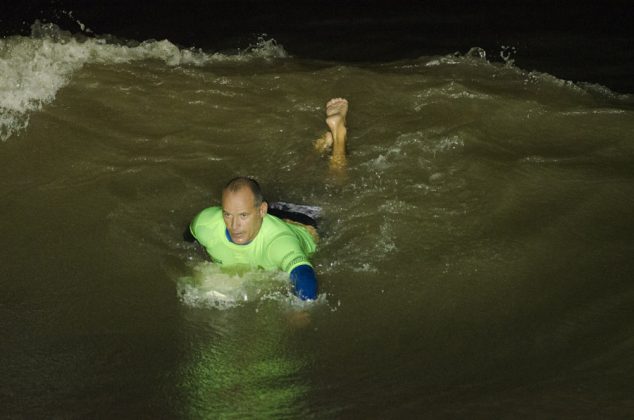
[264, 208]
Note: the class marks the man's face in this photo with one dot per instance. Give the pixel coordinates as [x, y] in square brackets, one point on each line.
[242, 218]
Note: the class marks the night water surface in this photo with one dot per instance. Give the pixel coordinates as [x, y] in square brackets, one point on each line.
[475, 260]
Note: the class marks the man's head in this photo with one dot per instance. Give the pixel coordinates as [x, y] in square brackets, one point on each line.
[243, 209]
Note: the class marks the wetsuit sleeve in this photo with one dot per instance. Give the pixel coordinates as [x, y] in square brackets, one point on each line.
[304, 281]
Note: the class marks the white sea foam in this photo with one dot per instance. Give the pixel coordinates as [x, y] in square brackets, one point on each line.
[208, 286]
[33, 69]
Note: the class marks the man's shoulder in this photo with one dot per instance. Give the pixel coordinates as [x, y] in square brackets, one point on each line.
[274, 226]
[281, 232]
[208, 214]
[207, 217]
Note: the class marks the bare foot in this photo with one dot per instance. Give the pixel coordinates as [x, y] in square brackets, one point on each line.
[337, 106]
[336, 111]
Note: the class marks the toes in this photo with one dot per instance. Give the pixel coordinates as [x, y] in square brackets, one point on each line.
[335, 100]
[336, 106]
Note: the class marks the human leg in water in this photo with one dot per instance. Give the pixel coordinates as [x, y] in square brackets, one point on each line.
[335, 138]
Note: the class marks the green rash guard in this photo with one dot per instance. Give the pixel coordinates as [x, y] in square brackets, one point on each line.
[278, 245]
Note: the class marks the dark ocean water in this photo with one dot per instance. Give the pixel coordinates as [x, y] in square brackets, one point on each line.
[476, 253]
[578, 41]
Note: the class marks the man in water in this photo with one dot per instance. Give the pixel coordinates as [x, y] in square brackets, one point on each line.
[241, 233]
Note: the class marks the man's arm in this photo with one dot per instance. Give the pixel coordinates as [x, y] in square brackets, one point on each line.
[304, 281]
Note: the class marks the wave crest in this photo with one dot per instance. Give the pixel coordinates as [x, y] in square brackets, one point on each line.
[35, 68]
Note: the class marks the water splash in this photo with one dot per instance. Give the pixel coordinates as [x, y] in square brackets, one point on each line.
[35, 68]
[266, 48]
[210, 287]
[81, 25]
[507, 53]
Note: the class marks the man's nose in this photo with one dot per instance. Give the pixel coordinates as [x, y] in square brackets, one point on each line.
[234, 223]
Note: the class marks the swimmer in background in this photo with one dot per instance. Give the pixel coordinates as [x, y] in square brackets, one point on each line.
[241, 232]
